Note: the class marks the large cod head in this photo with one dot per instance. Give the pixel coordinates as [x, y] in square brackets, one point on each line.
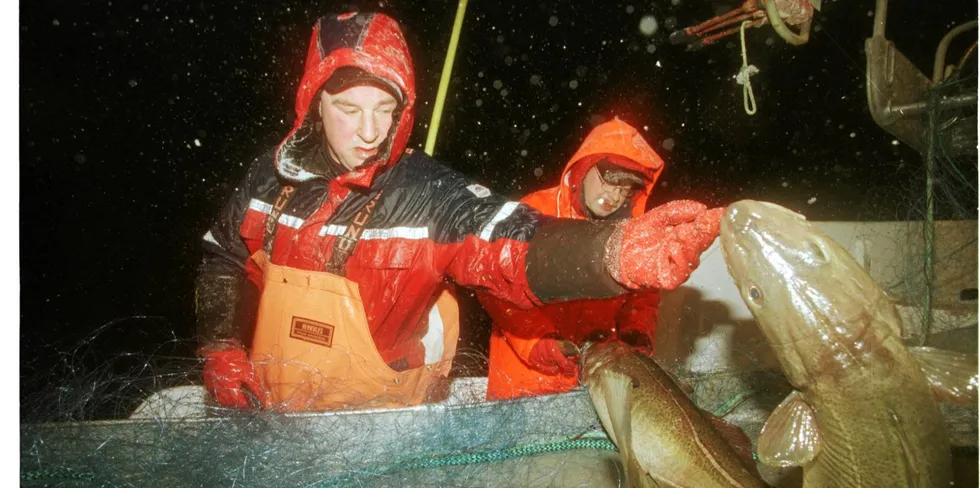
[817, 307]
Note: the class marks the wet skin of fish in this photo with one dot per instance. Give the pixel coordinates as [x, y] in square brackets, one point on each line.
[663, 438]
[864, 412]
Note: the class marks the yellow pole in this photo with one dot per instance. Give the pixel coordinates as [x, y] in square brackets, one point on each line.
[447, 68]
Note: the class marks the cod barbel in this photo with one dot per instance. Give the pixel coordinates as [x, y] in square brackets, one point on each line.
[864, 412]
[661, 435]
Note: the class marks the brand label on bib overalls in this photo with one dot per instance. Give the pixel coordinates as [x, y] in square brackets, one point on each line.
[311, 331]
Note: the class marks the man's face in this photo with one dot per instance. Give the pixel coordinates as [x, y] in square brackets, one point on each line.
[356, 121]
[603, 199]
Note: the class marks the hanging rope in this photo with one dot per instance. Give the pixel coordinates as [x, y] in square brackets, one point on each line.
[742, 78]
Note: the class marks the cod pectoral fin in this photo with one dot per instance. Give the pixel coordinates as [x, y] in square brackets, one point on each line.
[617, 392]
[790, 437]
[952, 375]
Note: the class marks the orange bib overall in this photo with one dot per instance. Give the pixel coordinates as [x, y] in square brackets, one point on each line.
[313, 349]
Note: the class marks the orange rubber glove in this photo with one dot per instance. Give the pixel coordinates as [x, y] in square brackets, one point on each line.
[637, 340]
[227, 373]
[661, 248]
[636, 320]
[546, 356]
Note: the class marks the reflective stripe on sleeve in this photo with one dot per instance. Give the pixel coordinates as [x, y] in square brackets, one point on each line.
[504, 212]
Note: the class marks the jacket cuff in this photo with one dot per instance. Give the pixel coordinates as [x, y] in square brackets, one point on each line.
[218, 312]
[566, 261]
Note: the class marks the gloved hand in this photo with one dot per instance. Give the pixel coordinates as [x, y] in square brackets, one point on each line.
[227, 373]
[548, 356]
[661, 248]
[637, 340]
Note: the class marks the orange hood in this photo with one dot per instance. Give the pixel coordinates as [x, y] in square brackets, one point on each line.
[615, 141]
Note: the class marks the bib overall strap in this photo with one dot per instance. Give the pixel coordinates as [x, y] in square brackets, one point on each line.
[343, 247]
[272, 220]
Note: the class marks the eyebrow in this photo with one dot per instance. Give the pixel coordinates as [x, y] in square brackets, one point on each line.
[346, 103]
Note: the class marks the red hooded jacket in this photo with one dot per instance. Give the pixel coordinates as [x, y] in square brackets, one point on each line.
[430, 223]
[516, 331]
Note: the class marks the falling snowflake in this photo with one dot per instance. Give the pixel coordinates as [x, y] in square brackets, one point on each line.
[648, 25]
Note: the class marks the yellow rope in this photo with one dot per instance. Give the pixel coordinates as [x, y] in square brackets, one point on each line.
[447, 69]
[742, 78]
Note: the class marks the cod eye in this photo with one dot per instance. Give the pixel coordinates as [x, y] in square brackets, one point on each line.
[755, 295]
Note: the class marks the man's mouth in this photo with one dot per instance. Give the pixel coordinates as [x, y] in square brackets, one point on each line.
[365, 153]
[605, 204]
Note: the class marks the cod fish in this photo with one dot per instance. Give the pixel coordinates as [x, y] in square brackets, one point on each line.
[663, 438]
[864, 410]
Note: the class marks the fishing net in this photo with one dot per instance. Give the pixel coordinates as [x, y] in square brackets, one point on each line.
[143, 420]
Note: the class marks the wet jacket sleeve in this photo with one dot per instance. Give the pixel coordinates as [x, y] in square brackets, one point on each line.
[514, 252]
[521, 328]
[221, 282]
[484, 238]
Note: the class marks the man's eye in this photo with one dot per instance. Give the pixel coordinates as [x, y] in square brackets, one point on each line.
[350, 111]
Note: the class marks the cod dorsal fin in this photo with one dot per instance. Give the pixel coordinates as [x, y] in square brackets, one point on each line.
[790, 437]
[952, 375]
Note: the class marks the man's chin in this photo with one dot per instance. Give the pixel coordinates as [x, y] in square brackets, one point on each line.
[601, 213]
[353, 164]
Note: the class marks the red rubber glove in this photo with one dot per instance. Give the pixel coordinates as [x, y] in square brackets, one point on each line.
[227, 373]
[546, 356]
[661, 248]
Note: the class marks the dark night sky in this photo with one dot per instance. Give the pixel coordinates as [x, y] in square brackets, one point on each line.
[136, 119]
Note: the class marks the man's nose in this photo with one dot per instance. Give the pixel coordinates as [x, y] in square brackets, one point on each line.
[368, 130]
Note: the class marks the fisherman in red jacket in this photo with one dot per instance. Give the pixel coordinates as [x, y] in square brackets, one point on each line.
[533, 351]
[322, 285]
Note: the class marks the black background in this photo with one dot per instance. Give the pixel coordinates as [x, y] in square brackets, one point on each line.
[137, 119]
